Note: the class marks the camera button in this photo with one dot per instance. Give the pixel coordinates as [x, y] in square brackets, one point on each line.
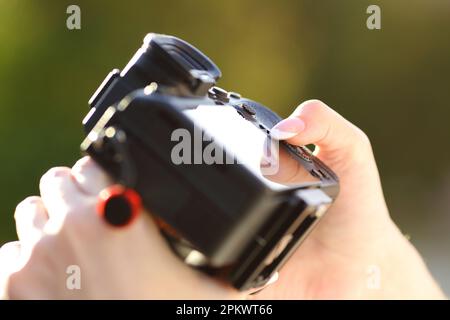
[248, 109]
[220, 92]
[234, 95]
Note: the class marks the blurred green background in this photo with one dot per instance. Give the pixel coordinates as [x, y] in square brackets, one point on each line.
[394, 83]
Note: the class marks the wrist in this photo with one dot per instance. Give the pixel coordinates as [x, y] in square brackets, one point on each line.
[402, 272]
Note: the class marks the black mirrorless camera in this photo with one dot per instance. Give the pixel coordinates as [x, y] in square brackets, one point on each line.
[224, 217]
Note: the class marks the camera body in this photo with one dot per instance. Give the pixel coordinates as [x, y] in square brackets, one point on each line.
[218, 217]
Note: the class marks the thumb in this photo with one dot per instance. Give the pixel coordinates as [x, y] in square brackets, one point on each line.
[346, 149]
[342, 146]
[313, 122]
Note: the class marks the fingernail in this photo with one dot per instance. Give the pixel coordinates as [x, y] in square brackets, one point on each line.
[287, 128]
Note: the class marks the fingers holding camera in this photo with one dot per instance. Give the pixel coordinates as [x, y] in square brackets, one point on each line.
[339, 143]
[282, 168]
[313, 122]
[37, 216]
[62, 190]
[60, 193]
[90, 178]
[73, 193]
[31, 217]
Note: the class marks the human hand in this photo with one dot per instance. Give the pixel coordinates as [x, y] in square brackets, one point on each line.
[60, 229]
[356, 243]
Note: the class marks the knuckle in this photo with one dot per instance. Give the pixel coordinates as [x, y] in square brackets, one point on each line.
[25, 204]
[361, 147]
[332, 123]
[31, 200]
[312, 106]
[82, 164]
[5, 247]
[362, 137]
[56, 172]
